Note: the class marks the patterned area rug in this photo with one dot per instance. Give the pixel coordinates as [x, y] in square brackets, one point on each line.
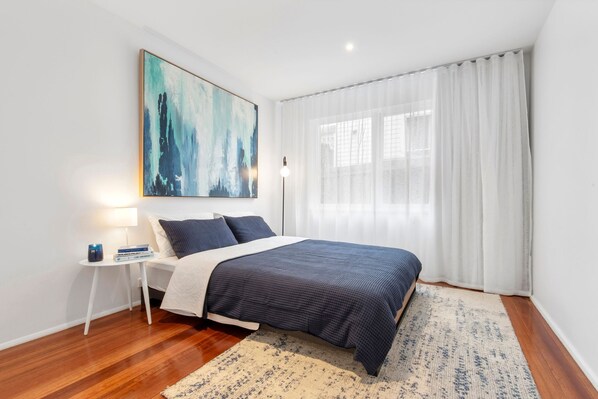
[451, 344]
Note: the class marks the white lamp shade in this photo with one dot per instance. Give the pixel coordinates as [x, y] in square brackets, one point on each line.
[285, 172]
[124, 217]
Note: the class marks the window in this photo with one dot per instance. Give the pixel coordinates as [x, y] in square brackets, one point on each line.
[347, 143]
[382, 158]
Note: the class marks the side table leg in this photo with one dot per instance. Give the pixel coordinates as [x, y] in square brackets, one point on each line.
[92, 294]
[145, 292]
[129, 285]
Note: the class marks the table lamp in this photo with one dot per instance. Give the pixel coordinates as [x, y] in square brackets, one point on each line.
[124, 217]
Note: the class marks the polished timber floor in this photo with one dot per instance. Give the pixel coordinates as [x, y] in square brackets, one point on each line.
[123, 357]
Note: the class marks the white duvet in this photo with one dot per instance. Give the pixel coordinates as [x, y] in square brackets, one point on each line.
[186, 292]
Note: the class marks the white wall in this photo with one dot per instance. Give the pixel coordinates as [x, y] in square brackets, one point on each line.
[69, 150]
[565, 161]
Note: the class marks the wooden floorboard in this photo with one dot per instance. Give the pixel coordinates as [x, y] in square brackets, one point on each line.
[123, 357]
[546, 355]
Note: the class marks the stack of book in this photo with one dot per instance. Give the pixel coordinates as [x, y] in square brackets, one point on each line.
[134, 252]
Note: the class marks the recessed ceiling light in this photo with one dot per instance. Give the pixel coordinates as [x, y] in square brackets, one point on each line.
[349, 46]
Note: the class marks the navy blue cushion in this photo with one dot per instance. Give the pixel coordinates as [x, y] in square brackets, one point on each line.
[190, 236]
[248, 228]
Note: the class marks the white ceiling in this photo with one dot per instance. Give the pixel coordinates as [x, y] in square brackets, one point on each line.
[286, 48]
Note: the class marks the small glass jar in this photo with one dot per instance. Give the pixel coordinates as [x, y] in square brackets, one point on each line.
[95, 253]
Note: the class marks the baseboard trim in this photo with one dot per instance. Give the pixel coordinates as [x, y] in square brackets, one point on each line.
[61, 327]
[566, 343]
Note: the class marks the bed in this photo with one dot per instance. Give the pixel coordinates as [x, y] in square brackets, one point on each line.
[350, 295]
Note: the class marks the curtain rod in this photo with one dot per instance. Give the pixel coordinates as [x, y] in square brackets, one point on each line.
[500, 54]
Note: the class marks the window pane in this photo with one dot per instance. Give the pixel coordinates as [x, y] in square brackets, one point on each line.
[418, 126]
[346, 162]
[394, 136]
[406, 159]
[347, 143]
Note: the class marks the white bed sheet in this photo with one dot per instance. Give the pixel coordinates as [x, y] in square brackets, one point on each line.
[159, 272]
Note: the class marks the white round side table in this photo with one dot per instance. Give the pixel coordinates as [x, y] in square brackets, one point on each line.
[108, 262]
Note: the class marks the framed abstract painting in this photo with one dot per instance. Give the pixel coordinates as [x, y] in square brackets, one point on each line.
[197, 139]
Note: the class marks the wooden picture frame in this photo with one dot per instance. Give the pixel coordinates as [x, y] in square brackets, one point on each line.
[196, 138]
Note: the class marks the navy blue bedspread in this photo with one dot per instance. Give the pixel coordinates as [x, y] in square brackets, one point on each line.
[346, 294]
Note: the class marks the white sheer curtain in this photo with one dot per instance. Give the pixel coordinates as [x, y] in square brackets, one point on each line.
[435, 162]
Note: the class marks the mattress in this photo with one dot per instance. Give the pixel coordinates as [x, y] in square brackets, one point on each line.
[159, 272]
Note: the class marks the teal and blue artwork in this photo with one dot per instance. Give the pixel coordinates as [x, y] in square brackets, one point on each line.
[198, 140]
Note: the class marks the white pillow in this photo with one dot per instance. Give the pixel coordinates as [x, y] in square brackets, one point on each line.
[164, 246]
[233, 214]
